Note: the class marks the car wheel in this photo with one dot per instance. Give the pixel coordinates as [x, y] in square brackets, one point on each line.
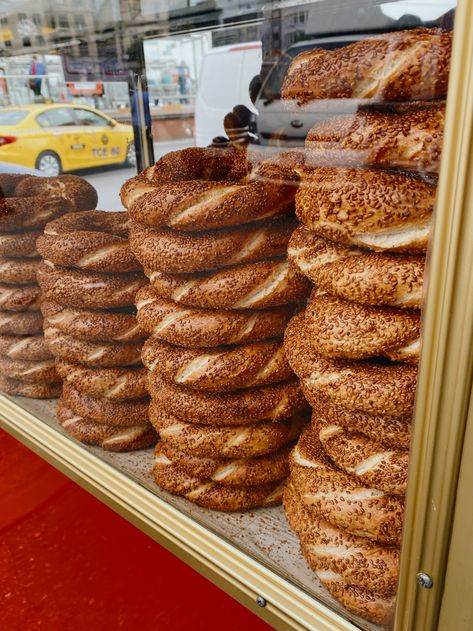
[49, 163]
[130, 160]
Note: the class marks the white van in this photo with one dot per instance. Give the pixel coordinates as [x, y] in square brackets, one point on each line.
[224, 80]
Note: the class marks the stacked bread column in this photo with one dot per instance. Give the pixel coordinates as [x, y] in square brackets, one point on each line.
[89, 279]
[26, 364]
[355, 348]
[224, 399]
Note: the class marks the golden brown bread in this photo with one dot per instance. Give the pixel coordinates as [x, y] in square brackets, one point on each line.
[251, 286]
[38, 390]
[76, 191]
[374, 278]
[176, 252]
[369, 387]
[20, 298]
[339, 498]
[18, 271]
[397, 66]
[108, 437]
[29, 347]
[227, 441]
[275, 402]
[218, 369]
[374, 209]
[90, 240]
[43, 371]
[19, 244]
[410, 140]
[24, 323]
[341, 328]
[30, 213]
[197, 328]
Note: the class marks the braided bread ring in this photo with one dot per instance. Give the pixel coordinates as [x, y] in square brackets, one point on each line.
[22, 298]
[367, 461]
[30, 213]
[411, 140]
[211, 494]
[370, 278]
[18, 271]
[78, 192]
[86, 289]
[242, 472]
[30, 371]
[106, 411]
[274, 403]
[197, 328]
[389, 431]
[122, 384]
[357, 386]
[339, 498]
[15, 387]
[32, 348]
[237, 441]
[102, 326]
[379, 210]
[218, 369]
[176, 252]
[359, 560]
[90, 240]
[252, 286]
[109, 437]
[8, 183]
[19, 244]
[26, 323]
[100, 354]
[339, 328]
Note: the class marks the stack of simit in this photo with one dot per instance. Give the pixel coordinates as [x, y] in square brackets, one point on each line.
[211, 233]
[365, 201]
[89, 279]
[27, 204]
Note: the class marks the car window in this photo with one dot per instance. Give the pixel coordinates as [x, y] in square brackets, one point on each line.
[85, 117]
[11, 117]
[58, 117]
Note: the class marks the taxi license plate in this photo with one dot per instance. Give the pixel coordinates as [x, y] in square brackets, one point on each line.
[105, 152]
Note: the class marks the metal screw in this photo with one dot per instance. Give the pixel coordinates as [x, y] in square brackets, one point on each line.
[260, 601]
[424, 580]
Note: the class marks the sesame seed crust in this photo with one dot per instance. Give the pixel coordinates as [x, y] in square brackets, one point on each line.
[34, 371]
[31, 348]
[19, 298]
[19, 244]
[24, 323]
[76, 191]
[16, 387]
[18, 271]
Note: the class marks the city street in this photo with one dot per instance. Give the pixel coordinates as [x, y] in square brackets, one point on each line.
[109, 181]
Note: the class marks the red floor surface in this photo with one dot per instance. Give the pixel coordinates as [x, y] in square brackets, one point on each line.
[69, 563]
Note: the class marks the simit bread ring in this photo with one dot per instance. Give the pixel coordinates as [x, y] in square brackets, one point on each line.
[197, 328]
[340, 328]
[390, 431]
[31, 347]
[397, 66]
[31, 371]
[110, 383]
[106, 326]
[273, 403]
[369, 387]
[21, 298]
[90, 240]
[242, 472]
[19, 244]
[359, 560]
[106, 411]
[211, 494]
[109, 437]
[339, 498]
[16, 387]
[411, 140]
[30, 213]
[78, 192]
[379, 210]
[177, 252]
[367, 461]
[374, 278]
[8, 183]
[26, 323]
[88, 289]
[18, 271]
[91, 353]
[220, 369]
[251, 286]
[237, 441]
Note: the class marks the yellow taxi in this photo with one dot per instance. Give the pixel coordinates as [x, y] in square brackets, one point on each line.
[58, 138]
